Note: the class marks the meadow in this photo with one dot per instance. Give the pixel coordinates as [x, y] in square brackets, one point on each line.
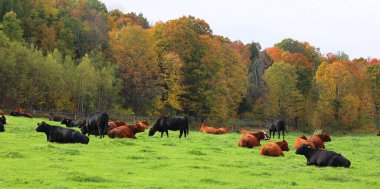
[27, 160]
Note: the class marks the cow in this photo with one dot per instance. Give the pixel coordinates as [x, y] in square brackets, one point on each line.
[165, 123]
[318, 140]
[302, 140]
[274, 149]
[61, 135]
[73, 123]
[3, 121]
[21, 114]
[55, 118]
[378, 133]
[249, 141]
[126, 131]
[96, 124]
[322, 158]
[211, 130]
[2, 112]
[116, 123]
[277, 125]
[261, 135]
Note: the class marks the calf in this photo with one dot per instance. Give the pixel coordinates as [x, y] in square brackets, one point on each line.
[61, 135]
[302, 140]
[73, 123]
[319, 140]
[274, 149]
[3, 121]
[277, 125]
[165, 123]
[322, 158]
[126, 131]
[211, 130]
[96, 124]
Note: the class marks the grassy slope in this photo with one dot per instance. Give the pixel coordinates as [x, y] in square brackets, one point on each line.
[200, 161]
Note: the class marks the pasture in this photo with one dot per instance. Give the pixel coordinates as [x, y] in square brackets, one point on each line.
[27, 160]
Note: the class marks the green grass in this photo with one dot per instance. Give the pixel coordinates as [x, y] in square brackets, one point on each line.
[27, 160]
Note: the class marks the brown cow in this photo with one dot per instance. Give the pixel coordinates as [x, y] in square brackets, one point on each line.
[211, 130]
[2, 112]
[261, 135]
[378, 133]
[249, 141]
[126, 131]
[274, 149]
[318, 140]
[302, 140]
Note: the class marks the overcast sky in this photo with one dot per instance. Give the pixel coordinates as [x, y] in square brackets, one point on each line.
[352, 26]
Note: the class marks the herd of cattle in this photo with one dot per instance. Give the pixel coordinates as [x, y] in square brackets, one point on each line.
[98, 124]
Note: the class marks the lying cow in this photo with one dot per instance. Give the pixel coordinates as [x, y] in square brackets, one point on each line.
[274, 149]
[3, 121]
[73, 123]
[126, 131]
[211, 130]
[319, 140]
[302, 140]
[322, 158]
[21, 114]
[61, 135]
[251, 139]
[165, 123]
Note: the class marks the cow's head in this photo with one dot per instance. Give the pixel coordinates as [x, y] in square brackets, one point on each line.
[266, 137]
[83, 129]
[284, 145]
[303, 137]
[65, 121]
[152, 131]
[3, 120]
[325, 137]
[42, 127]
[303, 149]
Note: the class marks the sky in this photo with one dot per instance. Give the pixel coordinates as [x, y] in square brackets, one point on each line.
[351, 26]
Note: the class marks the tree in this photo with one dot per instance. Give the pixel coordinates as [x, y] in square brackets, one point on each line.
[12, 26]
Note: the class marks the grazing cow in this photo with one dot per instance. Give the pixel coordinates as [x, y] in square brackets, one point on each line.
[3, 121]
[261, 135]
[165, 123]
[55, 118]
[249, 141]
[2, 112]
[318, 140]
[211, 130]
[21, 114]
[96, 124]
[126, 131]
[302, 140]
[277, 125]
[322, 158]
[61, 135]
[274, 149]
[73, 123]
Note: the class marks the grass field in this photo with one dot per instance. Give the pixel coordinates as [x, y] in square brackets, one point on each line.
[27, 160]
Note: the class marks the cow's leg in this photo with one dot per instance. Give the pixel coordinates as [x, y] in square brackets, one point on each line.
[283, 134]
[185, 132]
[162, 134]
[167, 133]
[180, 133]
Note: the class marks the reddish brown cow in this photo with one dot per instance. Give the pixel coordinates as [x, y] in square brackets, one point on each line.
[249, 141]
[318, 140]
[2, 112]
[126, 131]
[211, 130]
[302, 140]
[274, 149]
[261, 135]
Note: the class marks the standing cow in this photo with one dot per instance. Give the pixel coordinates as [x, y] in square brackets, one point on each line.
[165, 123]
[96, 124]
[277, 125]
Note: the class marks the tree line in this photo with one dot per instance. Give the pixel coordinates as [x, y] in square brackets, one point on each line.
[75, 55]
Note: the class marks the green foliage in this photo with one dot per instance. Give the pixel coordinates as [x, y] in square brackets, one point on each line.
[12, 26]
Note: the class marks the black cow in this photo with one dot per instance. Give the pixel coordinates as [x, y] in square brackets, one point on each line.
[322, 158]
[277, 125]
[3, 121]
[73, 123]
[21, 114]
[165, 123]
[96, 124]
[61, 135]
[55, 118]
